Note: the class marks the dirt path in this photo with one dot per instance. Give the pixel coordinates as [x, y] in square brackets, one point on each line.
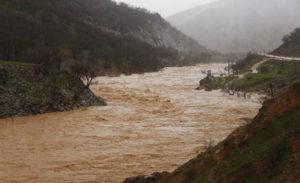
[255, 67]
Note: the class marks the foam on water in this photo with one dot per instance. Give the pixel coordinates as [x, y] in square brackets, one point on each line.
[154, 122]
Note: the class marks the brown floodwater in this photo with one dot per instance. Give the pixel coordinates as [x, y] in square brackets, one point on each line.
[153, 122]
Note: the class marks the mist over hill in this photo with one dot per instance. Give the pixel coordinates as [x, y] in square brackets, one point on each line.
[240, 25]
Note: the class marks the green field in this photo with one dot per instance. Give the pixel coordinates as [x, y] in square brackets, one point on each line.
[269, 72]
[273, 76]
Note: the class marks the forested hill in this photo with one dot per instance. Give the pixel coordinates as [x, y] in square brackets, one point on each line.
[101, 32]
[291, 45]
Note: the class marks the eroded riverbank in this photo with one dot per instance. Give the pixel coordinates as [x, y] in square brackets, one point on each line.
[153, 122]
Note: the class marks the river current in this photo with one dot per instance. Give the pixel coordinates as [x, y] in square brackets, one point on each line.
[153, 122]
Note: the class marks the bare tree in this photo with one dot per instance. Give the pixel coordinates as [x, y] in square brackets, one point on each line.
[84, 72]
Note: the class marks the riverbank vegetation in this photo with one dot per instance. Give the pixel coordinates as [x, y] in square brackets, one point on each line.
[257, 73]
[272, 77]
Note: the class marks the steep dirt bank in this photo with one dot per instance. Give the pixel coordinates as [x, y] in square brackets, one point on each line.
[266, 150]
[25, 91]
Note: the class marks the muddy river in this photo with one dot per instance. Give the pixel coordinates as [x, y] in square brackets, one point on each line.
[153, 122]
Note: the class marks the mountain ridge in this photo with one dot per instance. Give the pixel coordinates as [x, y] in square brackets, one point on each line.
[110, 36]
[239, 26]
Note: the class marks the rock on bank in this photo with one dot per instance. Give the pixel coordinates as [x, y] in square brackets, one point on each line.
[24, 90]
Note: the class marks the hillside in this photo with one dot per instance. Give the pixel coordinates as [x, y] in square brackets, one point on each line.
[110, 36]
[239, 26]
[266, 150]
[291, 45]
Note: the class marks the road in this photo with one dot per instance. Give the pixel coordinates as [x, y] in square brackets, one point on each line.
[279, 57]
[255, 67]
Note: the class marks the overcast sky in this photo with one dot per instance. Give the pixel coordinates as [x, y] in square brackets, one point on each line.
[165, 7]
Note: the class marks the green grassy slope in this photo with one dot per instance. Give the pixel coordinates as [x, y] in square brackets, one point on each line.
[2, 62]
[281, 74]
[273, 75]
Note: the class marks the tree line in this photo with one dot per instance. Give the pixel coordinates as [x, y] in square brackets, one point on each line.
[293, 37]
